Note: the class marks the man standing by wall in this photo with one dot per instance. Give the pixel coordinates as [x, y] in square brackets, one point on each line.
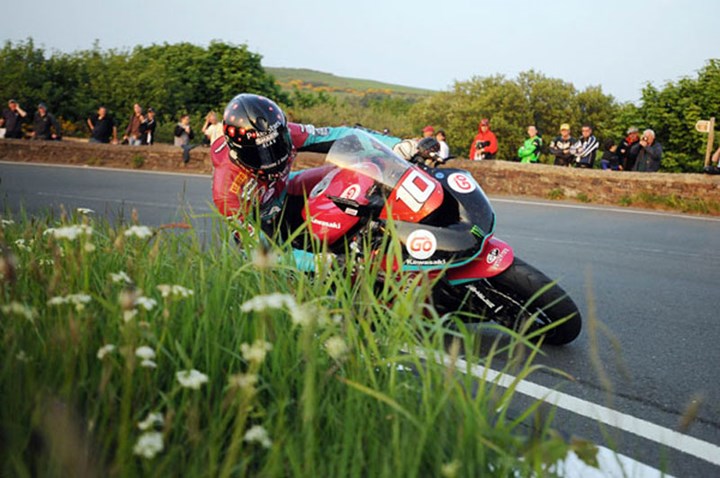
[649, 153]
[102, 127]
[563, 146]
[530, 151]
[45, 126]
[586, 148]
[13, 116]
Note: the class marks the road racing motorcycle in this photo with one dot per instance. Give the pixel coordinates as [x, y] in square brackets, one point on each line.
[445, 224]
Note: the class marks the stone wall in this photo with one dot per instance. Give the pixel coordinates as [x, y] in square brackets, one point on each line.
[496, 177]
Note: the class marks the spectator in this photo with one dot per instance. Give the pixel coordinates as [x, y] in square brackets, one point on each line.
[625, 153]
[444, 148]
[530, 151]
[45, 126]
[648, 153]
[132, 132]
[610, 160]
[428, 131]
[13, 116]
[710, 169]
[183, 135]
[586, 148]
[102, 127]
[2, 127]
[212, 129]
[563, 147]
[147, 128]
[485, 145]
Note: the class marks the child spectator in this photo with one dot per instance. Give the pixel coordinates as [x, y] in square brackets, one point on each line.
[147, 128]
[484, 145]
[610, 161]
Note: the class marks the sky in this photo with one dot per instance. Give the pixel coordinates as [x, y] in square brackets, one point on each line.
[619, 45]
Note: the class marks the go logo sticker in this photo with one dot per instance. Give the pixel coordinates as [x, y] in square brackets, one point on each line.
[461, 183]
[421, 244]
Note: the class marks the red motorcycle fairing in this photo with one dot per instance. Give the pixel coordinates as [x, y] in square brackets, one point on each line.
[416, 195]
[328, 222]
[495, 257]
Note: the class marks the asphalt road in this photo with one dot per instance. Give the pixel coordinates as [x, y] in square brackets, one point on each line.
[652, 281]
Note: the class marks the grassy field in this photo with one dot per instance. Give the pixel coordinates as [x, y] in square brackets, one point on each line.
[130, 351]
[316, 79]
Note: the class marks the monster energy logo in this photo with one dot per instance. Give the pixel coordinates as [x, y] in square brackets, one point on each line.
[476, 231]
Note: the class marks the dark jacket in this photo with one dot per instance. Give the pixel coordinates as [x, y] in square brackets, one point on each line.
[626, 155]
[147, 131]
[648, 158]
[43, 126]
[13, 123]
[557, 148]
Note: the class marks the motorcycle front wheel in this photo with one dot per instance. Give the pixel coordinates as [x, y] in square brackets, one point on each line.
[528, 295]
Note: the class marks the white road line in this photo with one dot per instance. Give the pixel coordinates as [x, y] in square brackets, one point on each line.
[100, 168]
[650, 431]
[604, 209]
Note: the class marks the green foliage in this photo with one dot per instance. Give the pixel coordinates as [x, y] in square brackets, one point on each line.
[556, 193]
[172, 78]
[138, 161]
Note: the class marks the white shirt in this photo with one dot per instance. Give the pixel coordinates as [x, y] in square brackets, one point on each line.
[444, 150]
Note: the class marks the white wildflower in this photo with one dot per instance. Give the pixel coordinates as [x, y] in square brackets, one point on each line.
[152, 420]
[21, 245]
[69, 232]
[141, 232]
[22, 356]
[255, 352]
[303, 315]
[243, 380]
[104, 350]
[258, 434]
[128, 315]
[191, 378]
[47, 262]
[84, 210]
[7, 222]
[21, 310]
[89, 247]
[145, 353]
[263, 258]
[450, 470]
[79, 300]
[336, 347]
[167, 290]
[146, 302]
[270, 301]
[147, 363]
[149, 444]
[120, 277]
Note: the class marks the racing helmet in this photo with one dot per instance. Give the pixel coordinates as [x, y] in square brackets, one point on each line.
[428, 148]
[257, 134]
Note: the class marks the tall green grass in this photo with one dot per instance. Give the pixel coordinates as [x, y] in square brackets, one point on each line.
[297, 375]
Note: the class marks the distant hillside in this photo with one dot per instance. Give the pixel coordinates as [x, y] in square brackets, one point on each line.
[319, 81]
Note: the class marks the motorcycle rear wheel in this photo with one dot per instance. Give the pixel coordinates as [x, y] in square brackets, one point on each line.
[529, 295]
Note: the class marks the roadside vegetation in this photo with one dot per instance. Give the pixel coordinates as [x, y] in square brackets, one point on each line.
[132, 351]
[184, 78]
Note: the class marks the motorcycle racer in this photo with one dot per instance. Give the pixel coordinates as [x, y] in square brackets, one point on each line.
[253, 158]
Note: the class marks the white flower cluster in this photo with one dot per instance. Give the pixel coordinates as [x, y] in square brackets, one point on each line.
[146, 354]
[245, 381]
[84, 210]
[7, 222]
[21, 310]
[79, 300]
[255, 352]
[146, 303]
[191, 378]
[167, 290]
[140, 232]
[154, 419]
[121, 276]
[149, 444]
[258, 434]
[270, 301]
[105, 350]
[22, 245]
[336, 347]
[69, 232]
